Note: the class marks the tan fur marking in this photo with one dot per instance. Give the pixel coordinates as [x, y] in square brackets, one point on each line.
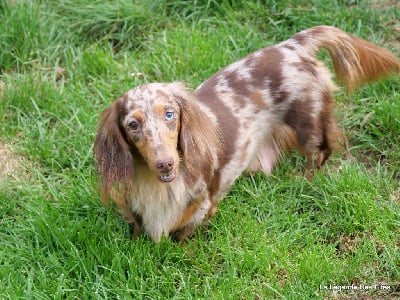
[257, 98]
[187, 214]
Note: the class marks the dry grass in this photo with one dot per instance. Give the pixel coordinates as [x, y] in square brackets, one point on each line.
[11, 164]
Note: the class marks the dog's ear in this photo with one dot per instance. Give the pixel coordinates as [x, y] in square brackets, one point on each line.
[112, 152]
[199, 139]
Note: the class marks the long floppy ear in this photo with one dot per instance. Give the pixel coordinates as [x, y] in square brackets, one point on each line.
[112, 151]
[199, 140]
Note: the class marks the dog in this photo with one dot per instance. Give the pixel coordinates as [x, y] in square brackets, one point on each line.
[167, 155]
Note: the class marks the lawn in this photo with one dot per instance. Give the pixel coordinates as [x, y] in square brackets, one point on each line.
[276, 237]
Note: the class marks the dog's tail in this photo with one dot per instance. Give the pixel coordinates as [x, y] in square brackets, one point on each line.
[355, 60]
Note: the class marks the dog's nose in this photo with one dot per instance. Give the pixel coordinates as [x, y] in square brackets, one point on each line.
[165, 166]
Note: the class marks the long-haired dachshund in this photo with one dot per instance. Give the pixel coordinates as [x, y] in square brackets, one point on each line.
[167, 155]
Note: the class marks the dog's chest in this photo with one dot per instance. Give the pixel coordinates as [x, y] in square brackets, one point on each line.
[159, 204]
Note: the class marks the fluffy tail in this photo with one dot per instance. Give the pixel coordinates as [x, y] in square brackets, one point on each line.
[355, 60]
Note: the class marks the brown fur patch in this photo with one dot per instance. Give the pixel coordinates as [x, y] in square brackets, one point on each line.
[269, 66]
[226, 119]
[257, 99]
[238, 84]
[199, 140]
[306, 65]
[298, 117]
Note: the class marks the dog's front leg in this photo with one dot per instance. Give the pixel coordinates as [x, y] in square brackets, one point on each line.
[198, 212]
[135, 223]
[133, 219]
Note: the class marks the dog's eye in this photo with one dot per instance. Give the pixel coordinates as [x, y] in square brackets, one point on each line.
[134, 125]
[169, 115]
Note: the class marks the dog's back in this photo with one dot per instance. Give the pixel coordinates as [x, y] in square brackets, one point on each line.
[280, 98]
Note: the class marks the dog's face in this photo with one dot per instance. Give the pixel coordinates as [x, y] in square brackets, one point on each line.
[157, 126]
[152, 124]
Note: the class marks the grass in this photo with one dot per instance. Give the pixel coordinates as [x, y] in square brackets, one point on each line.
[282, 237]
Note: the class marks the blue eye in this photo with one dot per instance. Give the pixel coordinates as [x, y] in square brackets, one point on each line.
[169, 115]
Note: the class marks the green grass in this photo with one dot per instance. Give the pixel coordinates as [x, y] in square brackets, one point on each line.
[277, 237]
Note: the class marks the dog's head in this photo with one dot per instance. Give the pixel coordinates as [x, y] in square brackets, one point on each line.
[155, 125]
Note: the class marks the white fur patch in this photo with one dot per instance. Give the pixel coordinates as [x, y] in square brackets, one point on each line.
[160, 204]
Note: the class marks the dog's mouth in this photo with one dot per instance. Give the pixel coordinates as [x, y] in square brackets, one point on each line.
[167, 177]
